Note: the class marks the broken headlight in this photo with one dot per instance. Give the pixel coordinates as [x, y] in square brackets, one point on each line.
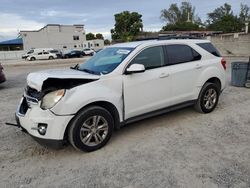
[50, 99]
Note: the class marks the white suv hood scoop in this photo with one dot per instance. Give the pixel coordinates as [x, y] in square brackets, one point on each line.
[35, 80]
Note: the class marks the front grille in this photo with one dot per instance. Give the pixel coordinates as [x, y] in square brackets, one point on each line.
[32, 92]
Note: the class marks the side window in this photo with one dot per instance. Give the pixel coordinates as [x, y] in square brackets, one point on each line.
[152, 57]
[40, 53]
[45, 52]
[179, 53]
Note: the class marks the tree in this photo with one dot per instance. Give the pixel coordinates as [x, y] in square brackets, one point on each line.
[223, 19]
[244, 15]
[99, 36]
[184, 13]
[179, 26]
[90, 36]
[181, 18]
[127, 26]
[219, 13]
[107, 42]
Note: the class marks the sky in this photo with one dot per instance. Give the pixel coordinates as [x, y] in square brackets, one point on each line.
[96, 15]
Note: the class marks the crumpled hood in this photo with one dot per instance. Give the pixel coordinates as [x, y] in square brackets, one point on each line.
[35, 80]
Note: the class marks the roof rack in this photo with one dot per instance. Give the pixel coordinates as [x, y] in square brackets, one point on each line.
[177, 37]
[171, 37]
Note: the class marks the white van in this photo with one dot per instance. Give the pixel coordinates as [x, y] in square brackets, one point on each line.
[35, 50]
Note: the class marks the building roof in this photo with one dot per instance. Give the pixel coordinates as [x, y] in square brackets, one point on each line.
[76, 25]
[18, 41]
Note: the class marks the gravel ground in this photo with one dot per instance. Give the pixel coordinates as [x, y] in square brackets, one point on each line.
[178, 149]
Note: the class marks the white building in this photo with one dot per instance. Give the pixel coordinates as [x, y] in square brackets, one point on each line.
[57, 36]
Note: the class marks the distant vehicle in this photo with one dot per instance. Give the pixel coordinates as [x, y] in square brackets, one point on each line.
[57, 52]
[73, 54]
[41, 56]
[35, 50]
[88, 51]
[2, 76]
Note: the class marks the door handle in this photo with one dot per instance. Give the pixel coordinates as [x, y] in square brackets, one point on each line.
[164, 75]
[198, 66]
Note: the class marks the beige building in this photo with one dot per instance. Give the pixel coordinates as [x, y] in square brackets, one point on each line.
[57, 36]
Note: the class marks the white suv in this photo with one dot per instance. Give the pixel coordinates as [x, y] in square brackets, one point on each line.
[41, 56]
[88, 51]
[121, 84]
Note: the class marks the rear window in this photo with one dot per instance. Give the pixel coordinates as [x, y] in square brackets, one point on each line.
[210, 48]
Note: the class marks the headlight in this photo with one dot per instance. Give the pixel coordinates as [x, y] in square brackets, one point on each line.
[52, 98]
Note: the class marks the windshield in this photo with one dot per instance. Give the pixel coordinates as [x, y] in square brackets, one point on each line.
[30, 52]
[106, 60]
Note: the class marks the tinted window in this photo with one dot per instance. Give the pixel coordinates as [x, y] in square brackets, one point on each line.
[40, 53]
[210, 48]
[54, 51]
[179, 53]
[151, 58]
[45, 52]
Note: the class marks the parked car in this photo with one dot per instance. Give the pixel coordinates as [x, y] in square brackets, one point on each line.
[74, 54]
[41, 56]
[121, 84]
[88, 51]
[35, 51]
[57, 52]
[2, 76]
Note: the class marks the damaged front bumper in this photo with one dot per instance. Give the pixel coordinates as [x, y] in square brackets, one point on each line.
[43, 125]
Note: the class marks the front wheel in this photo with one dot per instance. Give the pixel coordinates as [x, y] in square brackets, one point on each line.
[91, 129]
[32, 59]
[208, 98]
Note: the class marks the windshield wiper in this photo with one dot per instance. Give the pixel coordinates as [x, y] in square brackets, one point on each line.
[89, 71]
[76, 67]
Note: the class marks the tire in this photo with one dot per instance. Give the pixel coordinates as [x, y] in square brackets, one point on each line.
[32, 59]
[208, 98]
[84, 134]
[51, 57]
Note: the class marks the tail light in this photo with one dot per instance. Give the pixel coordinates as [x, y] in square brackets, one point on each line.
[224, 63]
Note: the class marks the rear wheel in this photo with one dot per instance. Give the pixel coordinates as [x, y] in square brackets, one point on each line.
[91, 129]
[51, 57]
[208, 98]
[32, 59]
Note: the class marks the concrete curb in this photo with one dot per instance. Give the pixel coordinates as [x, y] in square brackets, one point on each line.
[18, 63]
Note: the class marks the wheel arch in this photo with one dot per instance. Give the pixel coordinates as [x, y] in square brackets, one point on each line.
[216, 81]
[104, 104]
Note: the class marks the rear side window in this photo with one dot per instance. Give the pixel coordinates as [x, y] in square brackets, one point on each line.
[179, 53]
[210, 48]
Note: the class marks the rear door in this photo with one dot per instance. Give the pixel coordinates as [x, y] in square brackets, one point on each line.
[39, 56]
[186, 67]
[150, 90]
[45, 55]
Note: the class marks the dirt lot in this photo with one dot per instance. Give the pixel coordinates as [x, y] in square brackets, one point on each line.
[179, 149]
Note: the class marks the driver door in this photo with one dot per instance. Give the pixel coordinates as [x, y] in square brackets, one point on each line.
[150, 90]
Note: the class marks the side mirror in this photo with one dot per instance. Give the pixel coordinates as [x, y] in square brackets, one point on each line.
[135, 68]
